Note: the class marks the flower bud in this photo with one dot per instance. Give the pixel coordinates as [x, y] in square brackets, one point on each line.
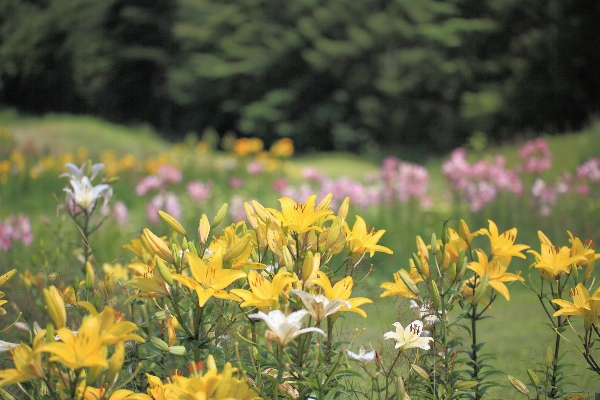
[408, 282]
[288, 261]
[343, 211]
[480, 290]
[172, 223]
[56, 306]
[159, 344]
[250, 215]
[325, 203]
[238, 249]
[549, 357]
[517, 384]
[203, 229]
[307, 265]
[420, 371]
[177, 350]
[435, 295]
[400, 391]
[93, 373]
[164, 271]
[416, 262]
[465, 385]
[434, 246]
[464, 232]
[533, 378]
[445, 234]
[157, 245]
[116, 362]
[220, 215]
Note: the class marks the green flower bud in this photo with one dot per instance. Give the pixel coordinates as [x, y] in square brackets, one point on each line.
[172, 223]
[433, 244]
[164, 271]
[408, 282]
[220, 216]
[517, 384]
[435, 295]
[159, 344]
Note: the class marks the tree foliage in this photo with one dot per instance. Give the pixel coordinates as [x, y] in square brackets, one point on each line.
[331, 74]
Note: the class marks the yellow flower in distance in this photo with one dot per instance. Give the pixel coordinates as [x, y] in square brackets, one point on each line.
[342, 290]
[86, 348]
[361, 240]
[209, 279]
[298, 217]
[496, 272]
[553, 261]
[582, 305]
[585, 249]
[265, 294]
[503, 245]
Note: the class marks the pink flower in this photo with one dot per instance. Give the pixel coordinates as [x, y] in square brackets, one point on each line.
[121, 213]
[235, 182]
[255, 168]
[279, 184]
[169, 202]
[199, 191]
[148, 183]
[170, 173]
[5, 236]
[537, 156]
[21, 229]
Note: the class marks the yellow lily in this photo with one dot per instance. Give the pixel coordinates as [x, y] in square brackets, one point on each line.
[209, 279]
[553, 261]
[265, 294]
[342, 290]
[582, 305]
[151, 284]
[503, 245]
[361, 240]
[496, 272]
[398, 287]
[584, 249]
[298, 217]
[28, 363]
[235, 249]
[84, 349]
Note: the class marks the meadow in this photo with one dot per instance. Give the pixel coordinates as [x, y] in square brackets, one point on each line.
[550, 184]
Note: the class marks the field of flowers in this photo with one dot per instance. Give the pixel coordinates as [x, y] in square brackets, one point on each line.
[140, 269]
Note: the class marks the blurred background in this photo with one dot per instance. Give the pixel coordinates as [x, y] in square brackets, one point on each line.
[361, 76]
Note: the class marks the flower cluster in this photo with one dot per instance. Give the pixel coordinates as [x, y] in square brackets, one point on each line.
[15, 227]
[479, 183]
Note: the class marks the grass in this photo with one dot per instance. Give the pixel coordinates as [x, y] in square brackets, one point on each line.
[516, 333]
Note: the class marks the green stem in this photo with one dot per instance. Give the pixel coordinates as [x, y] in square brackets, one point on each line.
[554, 391]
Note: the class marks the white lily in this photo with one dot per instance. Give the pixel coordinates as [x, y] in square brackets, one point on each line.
[409, 337]
[85, 194]
[426, 313]
[319, 306]
[284, 328]
[362, 355]
[6, 346]
[78, 173]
